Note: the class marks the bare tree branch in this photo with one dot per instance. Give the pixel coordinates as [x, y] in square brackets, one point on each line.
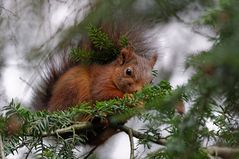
[2, 155]
[131, 140]
[193, 28]
[9, 11]
[140, 135]
[90, 152]
[223, 152]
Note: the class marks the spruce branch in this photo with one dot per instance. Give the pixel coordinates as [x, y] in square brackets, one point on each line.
[140, 135]
[78, 126]
[100, 39]
[43, 124]
[103, 49]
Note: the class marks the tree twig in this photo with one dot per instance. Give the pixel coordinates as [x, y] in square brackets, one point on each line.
[7, 10]
[90, 152]
[2, 155]
[223, 152]
[193, 28]
[140, 135]
[131, 141]
[78, 126]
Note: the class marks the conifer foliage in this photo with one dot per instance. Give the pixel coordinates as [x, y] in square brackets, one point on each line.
[103, 49]
[39, 127]
[212, 94]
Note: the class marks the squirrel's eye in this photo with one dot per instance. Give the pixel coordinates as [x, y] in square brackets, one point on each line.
[128, 72]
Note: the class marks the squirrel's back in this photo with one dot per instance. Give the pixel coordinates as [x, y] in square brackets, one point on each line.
[72, 88]
[86, 83]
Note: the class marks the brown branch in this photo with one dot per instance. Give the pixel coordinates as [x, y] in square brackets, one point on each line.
[223, 152]
[78, 126]
[140, 135]
[90, 152]
[2, 155]
[131, 141]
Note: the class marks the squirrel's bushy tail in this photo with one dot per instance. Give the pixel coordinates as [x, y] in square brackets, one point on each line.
[54, 68]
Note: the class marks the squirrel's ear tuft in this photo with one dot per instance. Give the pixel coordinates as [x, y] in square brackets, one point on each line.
[126, 54]
[153, 59]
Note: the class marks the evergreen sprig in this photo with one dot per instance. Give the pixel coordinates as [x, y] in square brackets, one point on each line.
[81, 56]
[101, 40]
[102, 49]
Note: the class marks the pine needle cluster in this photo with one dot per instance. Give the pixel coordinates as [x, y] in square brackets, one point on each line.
[103, 50]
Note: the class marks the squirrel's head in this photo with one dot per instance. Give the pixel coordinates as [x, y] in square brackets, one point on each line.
[132, 71]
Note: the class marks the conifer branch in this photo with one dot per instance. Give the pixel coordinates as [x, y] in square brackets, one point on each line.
[78, 126]
[140, 135]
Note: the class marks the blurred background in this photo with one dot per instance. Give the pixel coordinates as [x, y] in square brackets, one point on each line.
[31, 31]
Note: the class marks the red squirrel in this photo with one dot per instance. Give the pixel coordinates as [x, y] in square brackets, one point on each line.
[75, 83]
[89, 83]
[85, 83]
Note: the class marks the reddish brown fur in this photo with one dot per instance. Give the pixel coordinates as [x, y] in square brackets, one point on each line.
[72, 88]
[101, 82]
